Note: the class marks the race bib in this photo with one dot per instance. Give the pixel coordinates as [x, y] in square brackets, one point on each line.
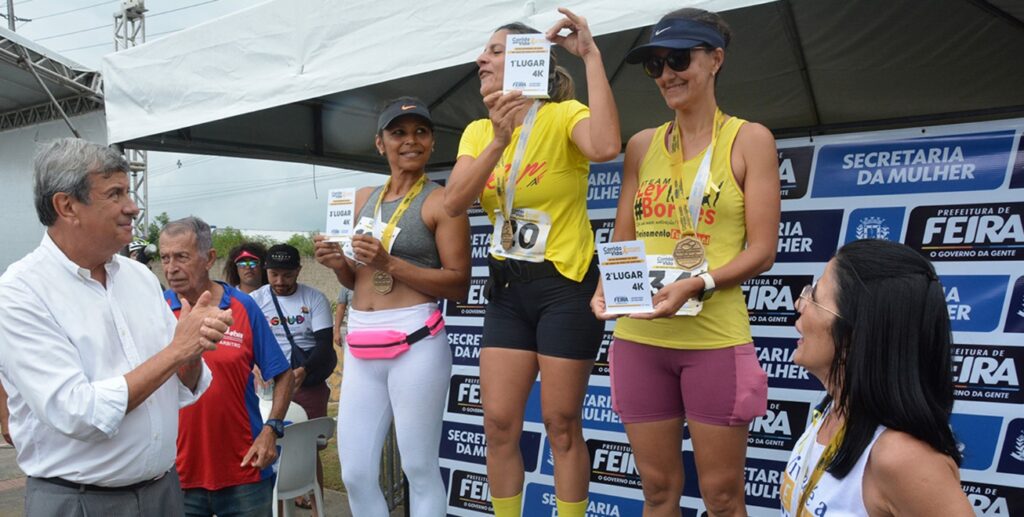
[530, 229]
[662, 271]
[366, 226]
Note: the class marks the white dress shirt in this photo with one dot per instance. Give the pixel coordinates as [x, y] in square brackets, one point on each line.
[65, 344]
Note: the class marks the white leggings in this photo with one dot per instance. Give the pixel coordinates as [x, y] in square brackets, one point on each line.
[412, 388]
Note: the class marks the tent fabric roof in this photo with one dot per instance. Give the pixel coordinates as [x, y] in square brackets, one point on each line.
[23, 101]
[302, 80]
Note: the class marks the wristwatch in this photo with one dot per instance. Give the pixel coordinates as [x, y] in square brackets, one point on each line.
[275, 425]
[709, 286]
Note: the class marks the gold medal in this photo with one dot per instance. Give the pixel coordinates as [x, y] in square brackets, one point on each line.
[689, 253]
[507, 235]
[383, 283]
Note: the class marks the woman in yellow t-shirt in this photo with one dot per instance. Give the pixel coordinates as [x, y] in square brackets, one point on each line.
[702, 192]
[541, 258]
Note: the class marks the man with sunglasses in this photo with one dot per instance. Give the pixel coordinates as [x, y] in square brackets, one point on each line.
[702, 192]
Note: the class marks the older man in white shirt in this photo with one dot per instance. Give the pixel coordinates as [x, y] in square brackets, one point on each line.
[94, 362]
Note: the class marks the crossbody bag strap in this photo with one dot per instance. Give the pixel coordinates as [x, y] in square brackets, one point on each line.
[284, 320]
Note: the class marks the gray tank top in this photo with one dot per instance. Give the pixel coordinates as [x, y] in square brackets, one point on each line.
[415, 242]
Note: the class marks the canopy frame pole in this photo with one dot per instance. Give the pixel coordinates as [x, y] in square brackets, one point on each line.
[793, 34]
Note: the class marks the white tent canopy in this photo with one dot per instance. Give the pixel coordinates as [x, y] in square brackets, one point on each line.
[302, 80]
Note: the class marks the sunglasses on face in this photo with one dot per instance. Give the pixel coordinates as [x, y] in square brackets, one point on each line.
[250, 264]
[807, 295]
[678, 60]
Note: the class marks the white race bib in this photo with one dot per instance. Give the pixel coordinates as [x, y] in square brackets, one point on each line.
[663, 271]
[530, 229]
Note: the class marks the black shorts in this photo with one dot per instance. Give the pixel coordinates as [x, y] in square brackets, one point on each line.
[549, 315]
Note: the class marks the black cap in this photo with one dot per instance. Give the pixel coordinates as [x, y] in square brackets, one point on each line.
[282, 256]
[403, 106]
[677, 33]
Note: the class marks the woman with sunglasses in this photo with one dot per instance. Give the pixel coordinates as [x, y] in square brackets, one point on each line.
[528, 164]
[244, 267]
[702, 192]
[875, 331]
[407, 256]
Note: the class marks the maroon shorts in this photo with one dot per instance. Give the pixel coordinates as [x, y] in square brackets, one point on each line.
[723, 386]
[313, 399]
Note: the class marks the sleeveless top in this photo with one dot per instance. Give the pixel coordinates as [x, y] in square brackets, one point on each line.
[415, 243]
[551, 188]
[831, 497]
[723, 322]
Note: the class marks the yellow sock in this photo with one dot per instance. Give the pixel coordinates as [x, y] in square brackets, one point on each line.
[577, 509]
[508, 506]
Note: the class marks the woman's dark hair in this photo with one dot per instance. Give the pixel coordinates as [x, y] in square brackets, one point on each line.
[560, 84]
[231, 271]
[892, 363]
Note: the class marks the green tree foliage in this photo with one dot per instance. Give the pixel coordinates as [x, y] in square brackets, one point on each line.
[226, 238]
[303, 243]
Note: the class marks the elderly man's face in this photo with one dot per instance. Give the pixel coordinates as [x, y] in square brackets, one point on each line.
[107, 219]
[187, 270]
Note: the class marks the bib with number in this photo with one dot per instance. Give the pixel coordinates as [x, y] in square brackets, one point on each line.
[662, 270]
[530, 230]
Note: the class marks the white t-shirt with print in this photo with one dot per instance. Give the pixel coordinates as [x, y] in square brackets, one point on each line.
[307, 311]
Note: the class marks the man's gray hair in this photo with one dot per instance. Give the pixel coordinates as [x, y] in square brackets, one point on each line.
[64, 165]
[194, 226]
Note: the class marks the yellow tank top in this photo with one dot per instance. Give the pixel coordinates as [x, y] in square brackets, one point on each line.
[551, 188]
[723, 322]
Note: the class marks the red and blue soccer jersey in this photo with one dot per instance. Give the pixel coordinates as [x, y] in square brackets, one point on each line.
[215, 433]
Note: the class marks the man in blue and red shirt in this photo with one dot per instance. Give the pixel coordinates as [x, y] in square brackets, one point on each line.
[225, 449]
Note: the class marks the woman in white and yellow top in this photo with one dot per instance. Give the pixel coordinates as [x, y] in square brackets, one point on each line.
[702, 193]
[541, 262]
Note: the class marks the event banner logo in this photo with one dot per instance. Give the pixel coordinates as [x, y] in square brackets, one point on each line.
[994, 500]
[780, 427]
[540, 501]
[1017, 180]
[770, 298]
[603, 229]
[465, 344]
[987, 231]
[467, 442]
[605, 182]
[601, 363]
[795, 171]
[975, 302]
[612, 463]
[597, 409]
[762, 481]
[480, 243]
[875, 223]
[464, 396]
[976, 437]
[988, 373]
[470, 491]
[809, 235]
[776, 357]
[949, 163]
[1015, 309]
[1012, 458]
[475, 304]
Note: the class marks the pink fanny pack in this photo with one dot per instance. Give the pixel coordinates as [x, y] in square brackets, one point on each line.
[389, 344]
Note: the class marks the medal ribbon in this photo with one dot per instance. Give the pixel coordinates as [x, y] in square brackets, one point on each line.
[505, 198]
[385, 236]
[823, 461]
[700, 182]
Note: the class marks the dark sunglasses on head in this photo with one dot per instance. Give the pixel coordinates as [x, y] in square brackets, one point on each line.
[678, 60]
[251, 264]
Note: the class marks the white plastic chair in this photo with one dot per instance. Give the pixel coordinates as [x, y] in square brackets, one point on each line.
[296, 473]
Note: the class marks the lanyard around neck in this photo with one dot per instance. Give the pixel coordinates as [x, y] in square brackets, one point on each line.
[385, 236]
[700, 182]
[507, 191]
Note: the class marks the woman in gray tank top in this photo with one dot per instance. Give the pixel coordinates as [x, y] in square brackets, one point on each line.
[397, 359]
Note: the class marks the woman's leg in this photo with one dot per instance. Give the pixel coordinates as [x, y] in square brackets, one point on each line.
[418, 385]
[506, 377]
[720, 454]
[364, 416]
[661, 471]
[563, 384]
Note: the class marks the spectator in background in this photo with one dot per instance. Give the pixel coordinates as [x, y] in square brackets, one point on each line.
[341, 313]
[225, 449]
[244, 267]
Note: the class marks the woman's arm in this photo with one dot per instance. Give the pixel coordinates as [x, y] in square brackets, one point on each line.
[470, 174]
[906, 477]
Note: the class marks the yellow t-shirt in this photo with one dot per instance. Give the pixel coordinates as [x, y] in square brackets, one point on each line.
[723, 322]
[551, 189]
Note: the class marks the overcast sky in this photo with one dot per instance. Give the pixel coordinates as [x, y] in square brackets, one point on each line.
[246, 194]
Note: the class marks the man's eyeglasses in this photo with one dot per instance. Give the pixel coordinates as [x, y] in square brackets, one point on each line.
[807, 295]
[678, 60]
[250, 264]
